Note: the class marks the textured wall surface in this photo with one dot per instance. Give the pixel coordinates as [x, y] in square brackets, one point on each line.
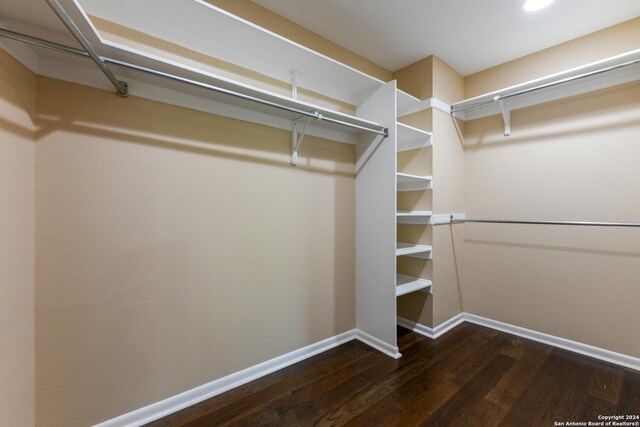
[176, 247]
[17, 252]
[575, 159]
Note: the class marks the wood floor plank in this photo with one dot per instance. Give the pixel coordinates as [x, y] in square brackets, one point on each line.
[439, 372]
[471, 376]
[629, 403]
[596, 407]
[535, 405]
[605, 382]
[530, 357]
[373, 393]
[572, 398]
[393, 413]
[270, 386]
[513, 384]
[479, 412]
[465, 371]
[472, 391]
[308, 399]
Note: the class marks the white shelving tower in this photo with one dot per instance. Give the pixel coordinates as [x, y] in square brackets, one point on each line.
[410, 138]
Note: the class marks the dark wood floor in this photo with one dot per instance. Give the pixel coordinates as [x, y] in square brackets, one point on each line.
[471, 376]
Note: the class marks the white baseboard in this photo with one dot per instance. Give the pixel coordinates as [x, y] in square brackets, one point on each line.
[431, 332]
[576, 347]
[379, 345]
[191, 397]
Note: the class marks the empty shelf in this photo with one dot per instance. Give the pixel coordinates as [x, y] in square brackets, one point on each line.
[410, 138]
[244, 44]
[561, 85]
[414, 217]
[407, 182]
[408, 104]
[406, 284]
[413, 250]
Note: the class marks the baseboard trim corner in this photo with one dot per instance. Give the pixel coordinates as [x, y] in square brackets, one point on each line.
[379, 345]
[433, 333]
[188, 398]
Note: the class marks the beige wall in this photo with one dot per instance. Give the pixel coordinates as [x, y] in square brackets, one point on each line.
[17, 251]
[417, 79]
[176, 247]
[593, 47]
[575, 159]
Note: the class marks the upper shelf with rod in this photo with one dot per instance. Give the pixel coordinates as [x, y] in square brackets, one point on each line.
[216, 33]
[598, 75]
[157, 78]
[246, 45]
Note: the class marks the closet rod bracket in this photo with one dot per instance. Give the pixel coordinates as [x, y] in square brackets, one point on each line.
[506, 114]
[297, 136]
[125, 89]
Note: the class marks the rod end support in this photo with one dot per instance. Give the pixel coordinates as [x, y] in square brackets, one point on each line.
[124, 92]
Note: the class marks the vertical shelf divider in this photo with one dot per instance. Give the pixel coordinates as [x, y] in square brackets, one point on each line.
[376, 223]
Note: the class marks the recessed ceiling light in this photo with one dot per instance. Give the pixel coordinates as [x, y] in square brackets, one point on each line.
[533, 5]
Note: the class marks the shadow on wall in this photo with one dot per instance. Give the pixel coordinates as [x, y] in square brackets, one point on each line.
[102, 115]
[555, 248]
[16, 97]
[602, 110]
[176, 247]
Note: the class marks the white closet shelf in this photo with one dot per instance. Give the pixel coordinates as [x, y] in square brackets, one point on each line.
[406, 284]
[408, 104]
[570, 84]
[408, 182]
[147, 85]
[410, 138]
[414, 217]
[413, 250]
[217, 33]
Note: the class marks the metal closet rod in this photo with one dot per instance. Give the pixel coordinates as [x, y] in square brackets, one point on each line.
[35, 41]
[545, 86]
[578, 223]
[121, 87]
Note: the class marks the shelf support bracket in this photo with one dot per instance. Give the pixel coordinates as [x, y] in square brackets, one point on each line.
[294, 84]
[506, 114]
[297, 136]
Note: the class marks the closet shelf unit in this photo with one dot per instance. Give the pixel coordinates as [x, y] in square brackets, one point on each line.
[245, 45]
[410, 138]
[609, 72]
[407, 284]
[414, 217]
[409, 182]
[174, 79]
[413, 250]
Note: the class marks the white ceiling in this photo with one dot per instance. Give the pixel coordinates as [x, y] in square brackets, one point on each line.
[470, 35]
